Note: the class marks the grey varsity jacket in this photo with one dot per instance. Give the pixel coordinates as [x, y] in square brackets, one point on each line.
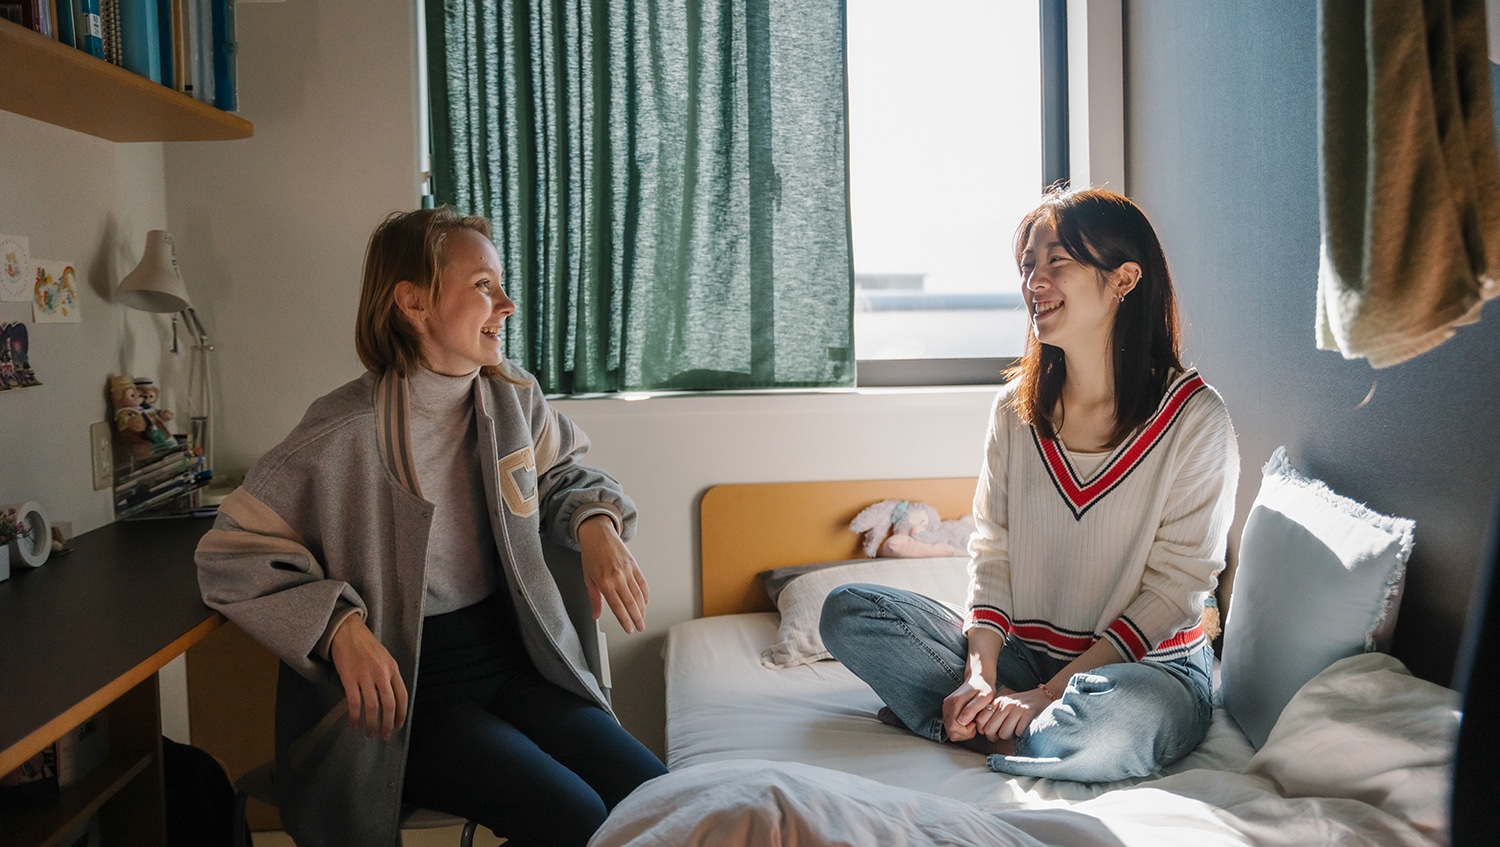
[333, 520]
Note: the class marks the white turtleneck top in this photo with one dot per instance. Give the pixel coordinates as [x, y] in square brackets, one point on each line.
[462, 563]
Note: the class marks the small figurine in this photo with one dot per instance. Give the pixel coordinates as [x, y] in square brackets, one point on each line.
[130, 422]
[149, 394]
[142, 430]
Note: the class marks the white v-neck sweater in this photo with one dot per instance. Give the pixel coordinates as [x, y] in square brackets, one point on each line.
[1128, 553]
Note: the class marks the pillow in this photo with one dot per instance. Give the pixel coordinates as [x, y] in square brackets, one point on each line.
[777, 579]
[1318, 579]
[799, 593]
[1366, 729]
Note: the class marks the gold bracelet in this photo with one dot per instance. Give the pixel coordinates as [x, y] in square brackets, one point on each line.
[1046, 691]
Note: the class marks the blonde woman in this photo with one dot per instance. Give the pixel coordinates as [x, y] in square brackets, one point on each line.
[389, 552]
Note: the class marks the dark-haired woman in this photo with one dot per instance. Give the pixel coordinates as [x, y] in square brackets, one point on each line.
[389, 552]
[1102, 516]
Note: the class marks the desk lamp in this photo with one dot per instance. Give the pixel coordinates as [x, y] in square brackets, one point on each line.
[156, 286]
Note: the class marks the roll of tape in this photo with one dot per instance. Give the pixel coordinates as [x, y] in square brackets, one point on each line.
[37, 545]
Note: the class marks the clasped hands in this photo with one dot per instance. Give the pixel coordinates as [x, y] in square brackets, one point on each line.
[373, 688]
[979, 708]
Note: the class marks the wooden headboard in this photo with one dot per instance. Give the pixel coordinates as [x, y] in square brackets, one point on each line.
[748, 528]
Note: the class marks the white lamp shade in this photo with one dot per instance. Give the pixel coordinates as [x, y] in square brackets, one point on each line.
[156, 284]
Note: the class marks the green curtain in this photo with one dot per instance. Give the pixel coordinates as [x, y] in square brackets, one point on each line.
[668, 181]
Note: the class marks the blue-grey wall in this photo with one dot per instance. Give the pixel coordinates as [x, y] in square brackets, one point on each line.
[1222, 153]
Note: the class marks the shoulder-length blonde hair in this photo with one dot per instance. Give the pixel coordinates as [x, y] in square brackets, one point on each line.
[408, 246]
[1104, 230]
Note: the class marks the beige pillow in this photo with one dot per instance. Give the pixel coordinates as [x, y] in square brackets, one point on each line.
[801, 600]
[1366, 729]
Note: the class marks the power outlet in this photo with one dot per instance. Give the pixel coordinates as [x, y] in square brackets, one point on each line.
[103, 453]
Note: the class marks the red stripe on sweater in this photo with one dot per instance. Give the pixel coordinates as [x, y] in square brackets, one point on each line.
[1082, 496]
[1062, 642]
[992, 617]
[1130, 638]
[1187, 636]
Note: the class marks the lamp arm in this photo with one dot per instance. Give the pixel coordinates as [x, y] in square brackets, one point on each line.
[190, 317]
[201, 393]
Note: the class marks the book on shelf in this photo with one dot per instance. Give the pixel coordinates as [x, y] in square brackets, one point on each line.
[62, 20]
[182, 73]
[201, 49]
[140, 38]
[164, 42]
[109, 23]
[33, 14]
[226, 96]
[88, 28]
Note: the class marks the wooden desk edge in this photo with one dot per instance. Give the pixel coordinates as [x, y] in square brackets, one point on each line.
[12, 757]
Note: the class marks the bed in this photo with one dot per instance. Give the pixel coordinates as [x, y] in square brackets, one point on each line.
[765, 754]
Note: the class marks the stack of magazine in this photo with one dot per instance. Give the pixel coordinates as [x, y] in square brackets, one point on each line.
[161, 483]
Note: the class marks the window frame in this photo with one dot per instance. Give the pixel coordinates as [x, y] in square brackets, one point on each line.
[1082, 140]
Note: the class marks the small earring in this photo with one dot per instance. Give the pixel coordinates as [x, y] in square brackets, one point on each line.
[1122, 298]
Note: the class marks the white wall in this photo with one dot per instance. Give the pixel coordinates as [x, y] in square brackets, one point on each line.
[271, 231]
[90, 202]
[668, 450]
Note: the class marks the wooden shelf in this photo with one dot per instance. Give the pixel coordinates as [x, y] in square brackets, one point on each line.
[49, 81]
[46, 825]
[136, 586]
[125, 790]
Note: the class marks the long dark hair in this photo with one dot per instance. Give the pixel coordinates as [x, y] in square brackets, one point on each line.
[1104, 230]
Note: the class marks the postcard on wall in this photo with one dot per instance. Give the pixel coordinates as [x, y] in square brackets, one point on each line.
[15, 358]
[15, 268]
[55, 293]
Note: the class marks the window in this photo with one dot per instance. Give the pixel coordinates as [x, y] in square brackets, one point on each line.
[946, 131]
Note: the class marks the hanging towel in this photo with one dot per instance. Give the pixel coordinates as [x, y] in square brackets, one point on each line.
[1409, 175]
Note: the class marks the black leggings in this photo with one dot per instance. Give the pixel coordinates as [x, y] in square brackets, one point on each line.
[495, 742]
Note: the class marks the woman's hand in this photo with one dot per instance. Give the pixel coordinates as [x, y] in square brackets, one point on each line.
[372, 682]
[978, 690]
[611, 574]
[967, 702]
[1011, 712]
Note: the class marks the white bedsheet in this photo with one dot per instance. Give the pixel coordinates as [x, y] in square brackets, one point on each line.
[722, 704]
[795, 756]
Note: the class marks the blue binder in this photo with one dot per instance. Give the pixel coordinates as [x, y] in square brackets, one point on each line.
[140, 38]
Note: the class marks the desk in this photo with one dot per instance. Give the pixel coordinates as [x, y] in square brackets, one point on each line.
[89, 631]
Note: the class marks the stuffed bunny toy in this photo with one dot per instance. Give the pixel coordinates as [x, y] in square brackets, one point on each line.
[907, 529]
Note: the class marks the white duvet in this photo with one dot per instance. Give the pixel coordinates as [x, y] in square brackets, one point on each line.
[1359, 757]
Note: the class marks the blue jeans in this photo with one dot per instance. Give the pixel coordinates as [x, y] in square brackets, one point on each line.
[1116, 721]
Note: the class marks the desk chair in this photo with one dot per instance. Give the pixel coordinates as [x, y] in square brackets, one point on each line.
[260, 783]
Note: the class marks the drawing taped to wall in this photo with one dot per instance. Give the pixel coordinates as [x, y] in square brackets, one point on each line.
[54, 295]
[15, 268]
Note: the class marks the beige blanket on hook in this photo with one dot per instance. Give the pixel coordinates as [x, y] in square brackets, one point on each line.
[1409, 175]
